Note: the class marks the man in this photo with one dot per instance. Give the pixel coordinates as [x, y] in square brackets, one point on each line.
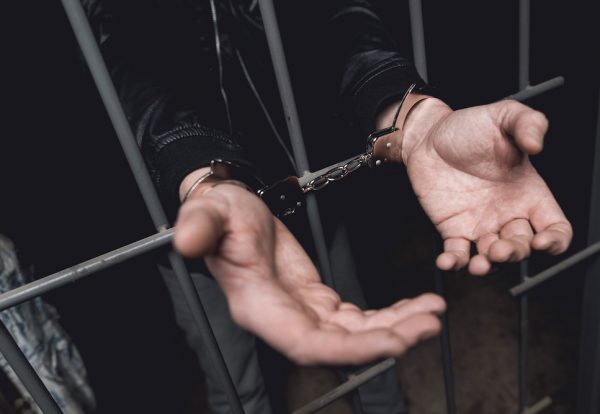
[181, 71]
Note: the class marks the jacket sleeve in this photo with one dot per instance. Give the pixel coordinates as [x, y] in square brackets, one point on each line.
[372, 69]
[160, 64]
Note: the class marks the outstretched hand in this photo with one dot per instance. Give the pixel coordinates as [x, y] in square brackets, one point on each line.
[273, 289]
[471, 172]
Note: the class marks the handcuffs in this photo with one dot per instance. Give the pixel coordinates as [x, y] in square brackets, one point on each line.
[285, 196]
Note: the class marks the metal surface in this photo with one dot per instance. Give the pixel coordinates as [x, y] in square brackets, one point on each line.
[353, 382]
[74, 273]
[109, 96]
[418, 37]
[588, 384]
[440, 288]
[541, 277]
[38, 391]
[91, 52]
[539, 406]
[320, 179]
[533, 91]
[523, 340]
[295, 131]
[524, 10]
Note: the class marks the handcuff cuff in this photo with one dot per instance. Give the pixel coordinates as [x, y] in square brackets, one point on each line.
[285, 196]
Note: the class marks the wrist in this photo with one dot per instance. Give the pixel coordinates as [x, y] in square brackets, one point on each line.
[412, 122]
[189, 185]
[420, 121]
[219, 172]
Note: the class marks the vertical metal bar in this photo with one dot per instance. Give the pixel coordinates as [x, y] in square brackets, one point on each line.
[295, 131]
[418, 37]
[440, 288]
[420, 60]
[30, 379]
[524, 9]
[523, 340]
[101, 76]
[524, 20]
[588, 397]
[96, 65]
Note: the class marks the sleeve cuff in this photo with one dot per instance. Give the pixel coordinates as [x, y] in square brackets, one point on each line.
[386, 78]
[179, 158]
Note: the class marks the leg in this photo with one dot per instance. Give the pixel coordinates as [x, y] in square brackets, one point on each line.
[236, 345]
[381, 395]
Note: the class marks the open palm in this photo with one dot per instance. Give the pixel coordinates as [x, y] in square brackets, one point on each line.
[274, 290]
[473, 177]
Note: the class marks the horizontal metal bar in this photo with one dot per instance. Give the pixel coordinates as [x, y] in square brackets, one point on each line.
[53, 281]
[353, 382]
[533, 91]
[534, 281]
[538, 406]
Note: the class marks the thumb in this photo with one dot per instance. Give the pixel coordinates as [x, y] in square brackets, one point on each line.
[200, 224]
[524, 124]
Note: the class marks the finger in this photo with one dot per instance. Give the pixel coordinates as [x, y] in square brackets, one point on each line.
[526, 125]
[479, 265]
[555, 239]
[427, 303]
[456, 254]
[355, 320]
[200, 224]
[333, 346]
[484, 243]
[554, 232]
[514, 244]
[294, 266]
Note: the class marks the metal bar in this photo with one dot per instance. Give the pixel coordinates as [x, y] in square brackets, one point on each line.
[418, 37]
[109, 96]
[101, 76]
[351, 384]
[74, 273]
[588, 397]
[524, 21]
[524, 13]
[532, 91]
[523, 340]
[295, 131]
[541, 277]
[440, 288]
[30, 379]
[539, 406]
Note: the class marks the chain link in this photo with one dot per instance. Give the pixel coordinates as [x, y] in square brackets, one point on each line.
[336, 173]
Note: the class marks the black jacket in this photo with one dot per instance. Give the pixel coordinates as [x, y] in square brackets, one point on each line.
[161, 54]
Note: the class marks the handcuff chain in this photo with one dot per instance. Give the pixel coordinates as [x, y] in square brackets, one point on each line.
[337, 173]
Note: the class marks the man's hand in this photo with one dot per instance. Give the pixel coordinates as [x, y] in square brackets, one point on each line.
[471, 173]
[274, 290]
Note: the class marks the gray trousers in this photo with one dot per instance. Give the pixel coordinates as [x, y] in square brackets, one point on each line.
[381, 395]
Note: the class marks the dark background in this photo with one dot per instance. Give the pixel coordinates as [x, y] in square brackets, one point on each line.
[68, 194]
